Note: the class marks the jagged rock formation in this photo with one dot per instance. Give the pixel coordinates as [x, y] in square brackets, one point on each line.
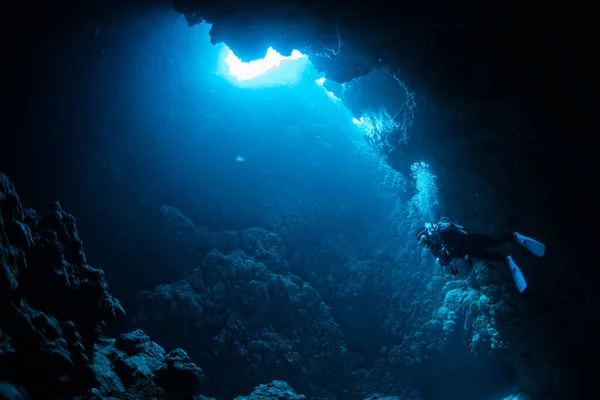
[53, 309]
[276, 390]
[242, 308]
[134, 367]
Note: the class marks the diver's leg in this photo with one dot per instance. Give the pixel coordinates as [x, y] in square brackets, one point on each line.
[481, 240]
[483, 254]
[516, 274]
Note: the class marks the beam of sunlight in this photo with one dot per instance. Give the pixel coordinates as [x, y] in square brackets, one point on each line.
[247, 70]
[329, 93]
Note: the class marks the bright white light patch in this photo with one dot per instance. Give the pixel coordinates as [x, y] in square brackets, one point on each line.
[329, 94]
[243, 71]
[332, 96]
[365, 124]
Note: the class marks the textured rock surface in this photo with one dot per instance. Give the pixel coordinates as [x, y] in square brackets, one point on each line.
[134, 367]
[53, 308]
[276, 390]
[242, 308]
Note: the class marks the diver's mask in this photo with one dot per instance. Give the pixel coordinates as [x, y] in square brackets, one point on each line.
[425, 235]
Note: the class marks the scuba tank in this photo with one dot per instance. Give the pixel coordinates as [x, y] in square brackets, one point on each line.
[446, 222]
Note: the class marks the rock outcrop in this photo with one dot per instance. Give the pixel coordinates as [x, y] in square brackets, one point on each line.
[241, 308]
[54, 307]
[276, 390]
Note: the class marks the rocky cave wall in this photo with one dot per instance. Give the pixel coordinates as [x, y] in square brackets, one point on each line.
[238, 310]
[241, 313]
[55, 308]
[242, 305]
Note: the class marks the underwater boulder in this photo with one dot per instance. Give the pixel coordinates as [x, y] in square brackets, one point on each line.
[276, 390]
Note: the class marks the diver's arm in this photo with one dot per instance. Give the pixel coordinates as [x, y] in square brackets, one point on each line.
[443, 257]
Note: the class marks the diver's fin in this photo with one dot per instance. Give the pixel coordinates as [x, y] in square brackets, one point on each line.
[530, 244]
[516, 274]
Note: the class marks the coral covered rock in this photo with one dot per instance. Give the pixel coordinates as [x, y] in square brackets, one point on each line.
[244, 310]
[276, 390]
[59, 281]
[134, 367]
[53, 309]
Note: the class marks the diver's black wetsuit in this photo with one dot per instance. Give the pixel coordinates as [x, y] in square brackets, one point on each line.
[451, 242]
[447, 241]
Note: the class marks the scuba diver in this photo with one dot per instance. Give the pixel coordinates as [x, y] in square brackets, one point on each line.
[448, 241]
